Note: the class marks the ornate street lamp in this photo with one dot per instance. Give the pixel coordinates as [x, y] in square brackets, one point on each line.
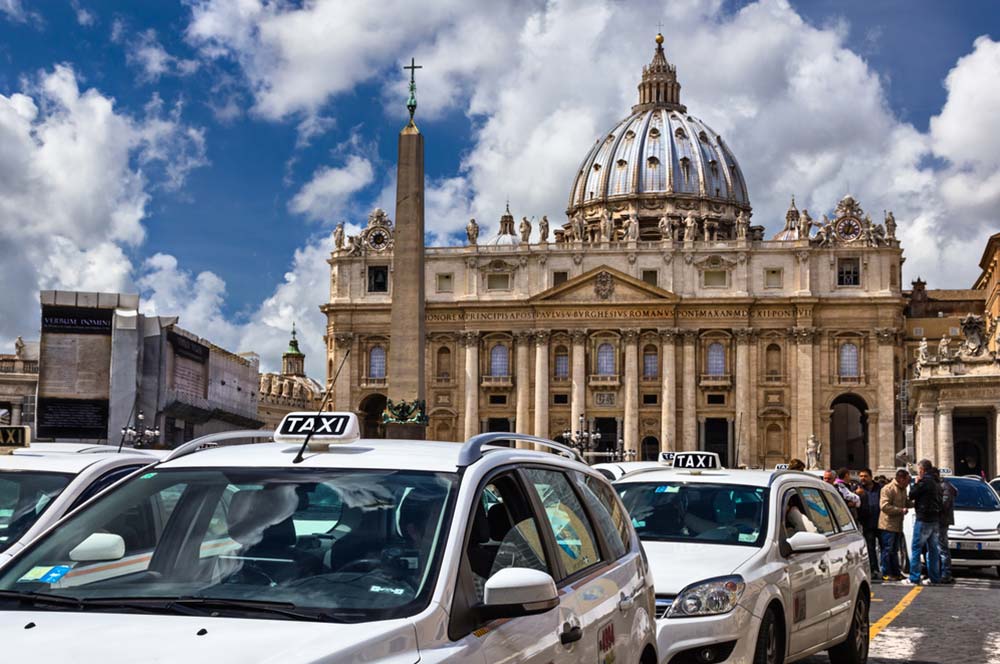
[140, 435]
[582, 440]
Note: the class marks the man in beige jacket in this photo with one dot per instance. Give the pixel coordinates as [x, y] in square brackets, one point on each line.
[892, 506]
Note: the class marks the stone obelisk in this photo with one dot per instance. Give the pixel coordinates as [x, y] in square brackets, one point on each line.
[405, 415]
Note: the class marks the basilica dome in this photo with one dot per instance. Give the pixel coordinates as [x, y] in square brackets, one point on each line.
[660, 160]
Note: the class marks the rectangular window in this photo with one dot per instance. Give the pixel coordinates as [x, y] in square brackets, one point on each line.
[773, 277]
[715, 399]
[608, 513]
[651, 277]
[849, 272]
[575, 541]
[498, 282]
[840, 512]
[378, 278]
[715, 278]
[816, 510]
[498, 399]
[562, 366]
[650, 365]
[952, 331]
[649, 399]
[918, 331]
[559, 277]
[560, 399]
[445, 283]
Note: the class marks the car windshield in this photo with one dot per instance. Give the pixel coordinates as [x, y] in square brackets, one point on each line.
[24, 496]
[339, 545]
[974, 495]
[696, 512]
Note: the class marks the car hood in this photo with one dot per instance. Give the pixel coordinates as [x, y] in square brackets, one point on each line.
[974, 520]
[115, 638]
[676, 565]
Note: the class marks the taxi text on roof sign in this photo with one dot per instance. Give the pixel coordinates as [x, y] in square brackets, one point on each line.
[14, 437]
[321, 427]
[697, 460]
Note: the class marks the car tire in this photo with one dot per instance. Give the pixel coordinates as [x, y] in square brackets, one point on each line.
[854, 649]
[770, 648]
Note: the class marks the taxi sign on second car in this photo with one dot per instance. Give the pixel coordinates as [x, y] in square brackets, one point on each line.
[697, 461]
[320, 427]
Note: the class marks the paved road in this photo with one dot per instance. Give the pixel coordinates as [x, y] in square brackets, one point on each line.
[942, 624]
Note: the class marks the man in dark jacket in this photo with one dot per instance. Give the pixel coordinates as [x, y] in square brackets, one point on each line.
[948, 494]
[926, 498]
[868, 513]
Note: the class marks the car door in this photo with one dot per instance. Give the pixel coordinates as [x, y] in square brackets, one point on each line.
[809, 576]
[592, 625]
[847, 554]
[504, 531]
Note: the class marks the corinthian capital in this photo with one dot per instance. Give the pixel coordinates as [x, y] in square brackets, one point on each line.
[523, 336]
[744, 334]
[343, 339]
[886, 335]
[542, 337]
[470, 338]
[804, 335]
[630, 335]
[669, 334]
[578, 336]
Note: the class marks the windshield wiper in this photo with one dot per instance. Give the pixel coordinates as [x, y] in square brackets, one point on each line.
[210, 605]
[33, 598]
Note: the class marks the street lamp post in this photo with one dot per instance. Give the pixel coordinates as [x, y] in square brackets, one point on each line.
[582, 440]
[140, 435]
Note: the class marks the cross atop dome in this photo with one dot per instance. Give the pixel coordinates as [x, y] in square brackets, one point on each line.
[659, 87]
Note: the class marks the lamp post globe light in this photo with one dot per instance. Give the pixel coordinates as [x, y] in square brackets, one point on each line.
[140, 435]
[583, 440]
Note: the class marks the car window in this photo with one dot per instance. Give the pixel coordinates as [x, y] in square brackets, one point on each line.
[102, 483]
[841, 514]
[974, 495]
[504, 533]
[817, 510]
[609, 516]
[576, 545]
[24, 496]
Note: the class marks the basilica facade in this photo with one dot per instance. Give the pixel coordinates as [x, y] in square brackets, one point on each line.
[655, 312]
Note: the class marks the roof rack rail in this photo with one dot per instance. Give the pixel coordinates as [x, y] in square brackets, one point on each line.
[205, 442]
[472, 449]
[787, 471]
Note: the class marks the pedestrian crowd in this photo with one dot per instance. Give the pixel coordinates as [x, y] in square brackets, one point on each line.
[879, 505]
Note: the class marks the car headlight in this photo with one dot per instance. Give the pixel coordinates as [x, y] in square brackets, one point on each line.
[708, 598]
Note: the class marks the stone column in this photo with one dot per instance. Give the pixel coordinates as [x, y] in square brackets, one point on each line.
[343, 342]
[471, 342]
[886, 450]
[542, 384]
[689, 427]
[15, 414]
[741, 375]
[924, 445]
[668, 394]
[522, 350]
[803, 399]
[945, 442]
[578, 397]
[631, 437]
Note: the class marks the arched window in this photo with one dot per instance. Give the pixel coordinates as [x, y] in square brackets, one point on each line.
[444, 362]
[650, 363]
[562, 363]
[499, 361]
[849, 361]
[376, 362]
[772, 361]
[606, 360]
[715, 364]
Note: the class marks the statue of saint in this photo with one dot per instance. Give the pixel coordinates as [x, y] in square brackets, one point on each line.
[805, 224]
[742, 225]
[943, 350]
[690, 227]
[265, 384]
[543, 229]
[472, 231]
[890, 225]
[632, 228]
[579, 227]
[665, 228]
[338, 236]
[525, 229]
[922, 352]
[607, 227]
[813, 453]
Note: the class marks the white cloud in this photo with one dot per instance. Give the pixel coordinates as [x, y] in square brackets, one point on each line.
[325, 196]
[84, 16]
[75, 181]
[13, 9]
[147, 53]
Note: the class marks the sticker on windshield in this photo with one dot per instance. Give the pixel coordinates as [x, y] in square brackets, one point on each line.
[46, 573]
[386, 589]
[668, 489]
[749, 538]
[147, 476]
[636, 523]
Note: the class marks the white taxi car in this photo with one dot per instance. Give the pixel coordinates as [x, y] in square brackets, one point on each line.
[41, 483]
[750, 565]
[353, 551]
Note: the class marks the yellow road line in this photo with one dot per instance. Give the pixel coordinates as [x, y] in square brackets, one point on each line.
[893, 613]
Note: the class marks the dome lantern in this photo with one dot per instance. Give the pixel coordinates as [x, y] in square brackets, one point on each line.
[659, 86]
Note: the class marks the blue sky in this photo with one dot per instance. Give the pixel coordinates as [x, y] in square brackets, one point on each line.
[244, 129]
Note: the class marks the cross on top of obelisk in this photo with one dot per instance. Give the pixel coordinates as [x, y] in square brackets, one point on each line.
[411, 103]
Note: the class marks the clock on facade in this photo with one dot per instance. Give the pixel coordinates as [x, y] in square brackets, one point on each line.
[378, 239]
[848, 229]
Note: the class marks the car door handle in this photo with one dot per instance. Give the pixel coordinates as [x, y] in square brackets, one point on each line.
[570, 634]
[626, 603]
[823, 566]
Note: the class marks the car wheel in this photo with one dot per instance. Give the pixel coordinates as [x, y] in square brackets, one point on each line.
[770, 643]
[854, 649]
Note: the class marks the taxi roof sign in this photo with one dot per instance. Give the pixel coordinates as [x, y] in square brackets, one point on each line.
[697, 461]
[14, 437]
[667, 458]
[322, 429]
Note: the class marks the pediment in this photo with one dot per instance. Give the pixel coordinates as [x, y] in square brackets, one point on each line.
[603, 285]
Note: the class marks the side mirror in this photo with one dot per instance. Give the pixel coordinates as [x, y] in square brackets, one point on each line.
[97, 547]
[808, 543]
[518, 591]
